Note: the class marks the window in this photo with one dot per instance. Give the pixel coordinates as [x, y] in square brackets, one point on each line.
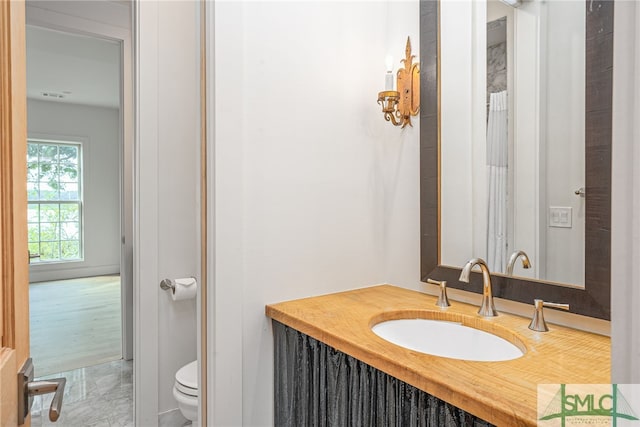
[54, 193]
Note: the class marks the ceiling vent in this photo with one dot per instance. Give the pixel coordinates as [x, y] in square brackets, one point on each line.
[54, 95]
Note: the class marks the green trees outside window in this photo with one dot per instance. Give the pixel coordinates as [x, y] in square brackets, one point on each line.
[54, 183]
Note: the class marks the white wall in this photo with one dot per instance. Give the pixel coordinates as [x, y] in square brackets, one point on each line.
[313, 191]
[167, 197]
[99, 127]
[178, 196]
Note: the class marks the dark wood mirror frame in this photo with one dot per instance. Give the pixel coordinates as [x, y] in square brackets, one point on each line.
[594, 299]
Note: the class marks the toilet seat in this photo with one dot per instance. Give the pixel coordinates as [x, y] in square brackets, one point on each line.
[192, 392]
[187, 379]
[185, 391]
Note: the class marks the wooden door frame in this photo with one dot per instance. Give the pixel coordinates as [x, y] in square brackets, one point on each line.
[14, 267]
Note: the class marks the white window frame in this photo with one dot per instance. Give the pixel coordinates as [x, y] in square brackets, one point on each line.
[79, 202]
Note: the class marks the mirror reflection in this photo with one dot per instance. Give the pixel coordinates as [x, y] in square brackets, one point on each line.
[513, 137]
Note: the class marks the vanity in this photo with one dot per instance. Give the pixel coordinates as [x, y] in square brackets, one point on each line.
[329, 362]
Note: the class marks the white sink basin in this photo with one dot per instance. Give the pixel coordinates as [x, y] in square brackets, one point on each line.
[447, 339]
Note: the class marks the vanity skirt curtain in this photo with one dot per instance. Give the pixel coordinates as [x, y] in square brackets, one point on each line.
[317, 385]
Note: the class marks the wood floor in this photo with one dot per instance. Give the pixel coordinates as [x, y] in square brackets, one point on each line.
[74, 323]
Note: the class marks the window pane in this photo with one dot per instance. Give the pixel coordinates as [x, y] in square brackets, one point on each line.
[49, 177]
[70, 250]
[50, 212]
[33, 231]
[69, 191]
[34, 248]
[49, 231]
[68, 172]
[47, 192]
[32, 153]
[47, 170]
[69, 212]
[32, 172]
[48, 153]
[33, 212]
[69, 231]
[49, 251]
[32, 191]
[68, 154]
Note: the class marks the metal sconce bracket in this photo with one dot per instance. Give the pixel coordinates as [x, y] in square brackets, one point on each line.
[399, 105]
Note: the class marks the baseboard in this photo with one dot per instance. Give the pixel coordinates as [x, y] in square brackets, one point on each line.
[48, 272]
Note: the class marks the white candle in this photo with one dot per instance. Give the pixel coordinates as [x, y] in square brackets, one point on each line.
[388, 81]
[388, 78]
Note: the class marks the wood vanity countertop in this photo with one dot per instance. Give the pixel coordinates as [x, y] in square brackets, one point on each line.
[503, 393]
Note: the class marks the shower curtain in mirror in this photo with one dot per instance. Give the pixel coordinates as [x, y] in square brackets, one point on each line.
[497, 162]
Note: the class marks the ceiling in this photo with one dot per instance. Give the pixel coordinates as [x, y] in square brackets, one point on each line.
[72, 68]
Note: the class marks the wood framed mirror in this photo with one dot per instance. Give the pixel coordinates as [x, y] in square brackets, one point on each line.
[594, 298]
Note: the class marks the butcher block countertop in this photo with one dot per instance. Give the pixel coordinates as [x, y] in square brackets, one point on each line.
[503, 393]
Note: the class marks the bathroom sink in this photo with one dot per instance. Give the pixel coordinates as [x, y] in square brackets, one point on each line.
[447, 339]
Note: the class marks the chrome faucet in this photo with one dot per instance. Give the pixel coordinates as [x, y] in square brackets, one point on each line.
[487, 309]
[443, 301]
[537, 322]
[512, 261]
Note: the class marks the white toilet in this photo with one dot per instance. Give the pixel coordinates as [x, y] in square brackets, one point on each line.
[185, 391]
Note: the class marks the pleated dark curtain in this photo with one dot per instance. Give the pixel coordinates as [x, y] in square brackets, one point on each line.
[317, 385]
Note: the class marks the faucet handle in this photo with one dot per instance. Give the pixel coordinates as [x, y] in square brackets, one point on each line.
[443, 301]
[537, 322]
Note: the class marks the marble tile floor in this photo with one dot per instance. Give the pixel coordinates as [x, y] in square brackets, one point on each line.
[100, 395]
[97, 396]
[173, 419]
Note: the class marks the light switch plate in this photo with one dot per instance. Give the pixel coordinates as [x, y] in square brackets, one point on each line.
[560, 216]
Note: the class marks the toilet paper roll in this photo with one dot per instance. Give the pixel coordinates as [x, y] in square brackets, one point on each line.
[186, 288]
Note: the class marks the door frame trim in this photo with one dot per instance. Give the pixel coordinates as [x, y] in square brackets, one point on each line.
[57, 20]
[13, 150]
[14, 268]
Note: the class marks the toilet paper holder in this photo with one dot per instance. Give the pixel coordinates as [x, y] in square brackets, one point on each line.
[170, 284]
[167, 284]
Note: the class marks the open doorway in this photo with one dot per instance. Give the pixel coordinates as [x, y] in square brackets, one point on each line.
[79, 209]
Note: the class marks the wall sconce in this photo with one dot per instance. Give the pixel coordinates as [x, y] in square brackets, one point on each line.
[399, 105]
